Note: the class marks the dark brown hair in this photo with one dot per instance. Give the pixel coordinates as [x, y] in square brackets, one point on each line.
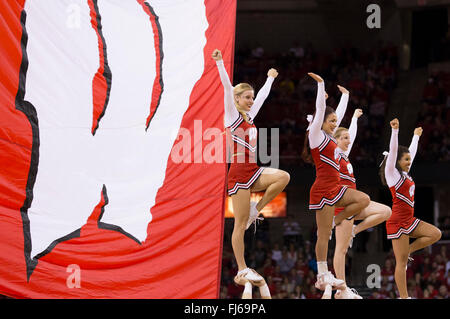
[400, 151]
[306, 152]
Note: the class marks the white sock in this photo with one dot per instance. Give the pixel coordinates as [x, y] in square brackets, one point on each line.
[264, 291]
[322, 267]
[248, 288]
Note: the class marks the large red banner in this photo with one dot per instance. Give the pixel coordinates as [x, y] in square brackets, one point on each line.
[112, 176]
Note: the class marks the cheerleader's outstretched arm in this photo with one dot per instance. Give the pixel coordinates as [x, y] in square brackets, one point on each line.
[263, 93]
[315, 134]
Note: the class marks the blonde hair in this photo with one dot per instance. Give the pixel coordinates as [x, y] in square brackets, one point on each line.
[339, 131]
[238, 90]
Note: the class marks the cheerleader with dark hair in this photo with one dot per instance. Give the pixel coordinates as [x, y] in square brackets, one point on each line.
[327, 191]
[402, 225]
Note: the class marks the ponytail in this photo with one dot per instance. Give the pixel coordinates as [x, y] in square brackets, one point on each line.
[401, 150]
[306, 152]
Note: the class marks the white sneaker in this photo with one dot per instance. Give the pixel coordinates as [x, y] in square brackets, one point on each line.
[410, 259]
[250, 275]
[253, 216]
[348, 293]
[327, 278]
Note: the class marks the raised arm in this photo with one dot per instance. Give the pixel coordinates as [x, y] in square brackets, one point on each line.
[315, 134]
[231, 113]
[263, 93]
[414, 143]
[391, 173]
[353, 129]
[342, 106]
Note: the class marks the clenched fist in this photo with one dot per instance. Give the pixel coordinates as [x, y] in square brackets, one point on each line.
[217, 55]
[358, 113]
[418, 131]
[395, 123]
[273, 73]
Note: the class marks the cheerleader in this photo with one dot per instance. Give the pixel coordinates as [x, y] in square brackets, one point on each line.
[372, 215]
[402, 225]
[244, 175]
[327, 192]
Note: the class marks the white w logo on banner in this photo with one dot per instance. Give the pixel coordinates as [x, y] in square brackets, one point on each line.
[123, 159]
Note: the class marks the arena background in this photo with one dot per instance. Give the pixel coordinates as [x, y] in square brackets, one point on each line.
[401, 69]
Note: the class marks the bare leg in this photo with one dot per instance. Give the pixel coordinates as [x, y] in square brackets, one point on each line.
[372, 215]
[241, 208]
[426, 235]
[343, 235]
[354, 202]
[324, 220]
[401, 252]
[272, 181]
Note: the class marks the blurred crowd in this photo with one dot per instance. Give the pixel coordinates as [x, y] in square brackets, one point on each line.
[427, 275]
[289, 268]
[444, 226]
[434, 118]
[370, 76]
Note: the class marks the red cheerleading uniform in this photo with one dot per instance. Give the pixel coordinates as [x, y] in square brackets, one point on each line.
[326, 188]
[244, 170]
[402, 220]
[241, 136]
[346, 176]
[402, 187]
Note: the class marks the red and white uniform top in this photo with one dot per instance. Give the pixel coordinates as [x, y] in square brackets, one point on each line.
[346, 174]
[402, 187]
[242, 136]
[346, 171]
[325, 160]
[243, 139]
[326, 189]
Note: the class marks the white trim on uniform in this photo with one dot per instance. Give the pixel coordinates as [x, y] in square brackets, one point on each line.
[400, 182]
[324, 143]
[342, 155]
[329, 161]
[247, 185]
[236, 123]
[404, 231]
[327, 201]
[243, 143]
[343, 176]
[405, 199]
